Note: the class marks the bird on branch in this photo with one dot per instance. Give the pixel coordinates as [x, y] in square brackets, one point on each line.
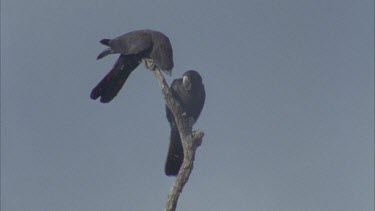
[189, 91]
[150, 47]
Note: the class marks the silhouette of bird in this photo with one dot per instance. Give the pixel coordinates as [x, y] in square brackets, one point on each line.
[189, 91]
[148, 46]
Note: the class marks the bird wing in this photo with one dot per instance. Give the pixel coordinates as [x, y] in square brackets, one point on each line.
[134, 42]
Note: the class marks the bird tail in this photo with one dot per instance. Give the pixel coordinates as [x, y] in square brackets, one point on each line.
[111, 84]
[175, 155]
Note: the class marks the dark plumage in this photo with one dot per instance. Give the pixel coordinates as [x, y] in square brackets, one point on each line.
[148, 46]
[189, 91]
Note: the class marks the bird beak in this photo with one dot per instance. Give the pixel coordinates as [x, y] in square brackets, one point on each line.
[169, 73]
[186, 82]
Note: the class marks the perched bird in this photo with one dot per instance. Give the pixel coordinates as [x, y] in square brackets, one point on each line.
[148, 46]
[189, 91]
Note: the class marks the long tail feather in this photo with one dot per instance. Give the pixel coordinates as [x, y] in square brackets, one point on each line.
[111, 84]
[175, 154]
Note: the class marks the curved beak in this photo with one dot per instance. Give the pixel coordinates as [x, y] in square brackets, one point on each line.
[186, 82]
[169, 73]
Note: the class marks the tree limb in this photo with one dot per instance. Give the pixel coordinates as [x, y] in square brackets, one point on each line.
[191, 140]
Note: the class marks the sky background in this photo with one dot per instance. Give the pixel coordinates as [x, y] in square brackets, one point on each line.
[289, 113]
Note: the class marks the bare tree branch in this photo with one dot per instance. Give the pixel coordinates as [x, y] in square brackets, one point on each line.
[191, 140]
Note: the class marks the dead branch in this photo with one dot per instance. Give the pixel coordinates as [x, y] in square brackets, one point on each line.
[191, 140]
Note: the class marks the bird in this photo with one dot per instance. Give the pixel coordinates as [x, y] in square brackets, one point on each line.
[150, 47]
[189, 91]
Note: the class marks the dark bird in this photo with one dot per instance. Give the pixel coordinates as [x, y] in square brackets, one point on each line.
[189, 91]
[148, 46]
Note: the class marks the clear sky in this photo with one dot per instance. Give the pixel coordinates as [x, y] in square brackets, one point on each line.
[289, 114]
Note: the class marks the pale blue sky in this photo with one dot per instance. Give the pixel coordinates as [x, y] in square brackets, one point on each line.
[289, 114]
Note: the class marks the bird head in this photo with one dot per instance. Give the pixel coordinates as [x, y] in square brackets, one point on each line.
[190, 79]
[168, 72]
